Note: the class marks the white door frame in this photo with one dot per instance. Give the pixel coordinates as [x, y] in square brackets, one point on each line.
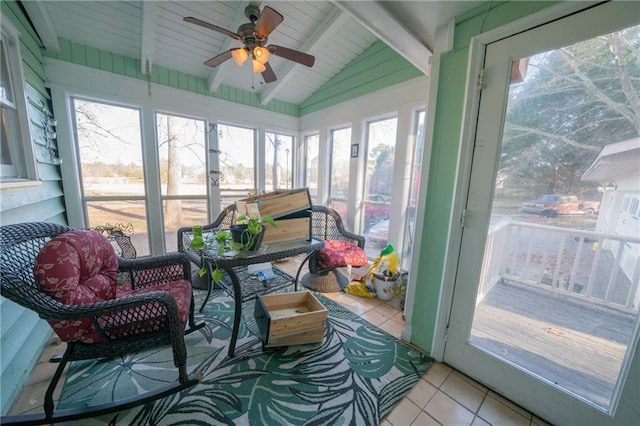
[475, 63]
[626, 408]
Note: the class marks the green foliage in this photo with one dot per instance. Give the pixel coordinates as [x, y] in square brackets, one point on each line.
[224, 242]
[573, 102]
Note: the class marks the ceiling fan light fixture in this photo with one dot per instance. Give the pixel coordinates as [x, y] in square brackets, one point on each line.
[239, 55]
[261, 54]
[258, 67]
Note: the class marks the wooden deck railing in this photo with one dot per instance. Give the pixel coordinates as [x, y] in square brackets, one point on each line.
[601, 268]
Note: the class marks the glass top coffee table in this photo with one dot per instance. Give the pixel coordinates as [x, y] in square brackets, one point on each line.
[243, 286]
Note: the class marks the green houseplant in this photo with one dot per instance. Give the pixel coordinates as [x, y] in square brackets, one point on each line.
[248, 237]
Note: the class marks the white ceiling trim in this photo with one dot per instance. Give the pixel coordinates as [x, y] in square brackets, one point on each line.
[373, 17]
[41, 19]
[320, 35]
[147, 44]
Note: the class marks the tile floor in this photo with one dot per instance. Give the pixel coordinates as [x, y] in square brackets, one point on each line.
[443, 396]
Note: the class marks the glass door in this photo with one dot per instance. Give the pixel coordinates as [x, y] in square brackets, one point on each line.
[547, 312]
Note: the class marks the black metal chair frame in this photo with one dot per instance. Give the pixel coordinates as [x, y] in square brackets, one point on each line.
[121, 235]
[326, 224]
[225, 219]
[19, 246]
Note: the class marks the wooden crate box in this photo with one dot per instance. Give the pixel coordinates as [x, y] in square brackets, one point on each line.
[279, 204]
[290, 319]
[288, 230]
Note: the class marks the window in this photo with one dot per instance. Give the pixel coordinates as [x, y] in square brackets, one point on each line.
[312, 153]
[340, 158]
[237, 162]
[16, 150]
[278, 161]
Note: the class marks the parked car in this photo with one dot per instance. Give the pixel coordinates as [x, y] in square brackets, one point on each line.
[551, 205]
[379, 233]
[376, 209]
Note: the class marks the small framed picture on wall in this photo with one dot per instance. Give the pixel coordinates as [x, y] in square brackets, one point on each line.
[354, 150]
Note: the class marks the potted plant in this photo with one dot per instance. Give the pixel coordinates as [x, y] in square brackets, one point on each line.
[248, 236]
[241, 237]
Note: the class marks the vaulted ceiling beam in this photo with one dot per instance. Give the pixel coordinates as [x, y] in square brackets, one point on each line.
[378, 21]
[41, 19]
[147, 44]
[320, 35]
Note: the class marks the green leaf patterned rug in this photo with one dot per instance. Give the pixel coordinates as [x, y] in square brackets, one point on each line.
[355, 376]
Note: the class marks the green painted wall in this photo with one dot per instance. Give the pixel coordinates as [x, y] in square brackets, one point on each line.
[22, 333]
[378, 67]
[444, 154]
[106, 61]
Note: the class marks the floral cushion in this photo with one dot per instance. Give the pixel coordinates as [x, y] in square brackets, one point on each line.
[338, 253]
[76, 268]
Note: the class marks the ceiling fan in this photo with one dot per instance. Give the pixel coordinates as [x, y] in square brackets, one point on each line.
[254, 37]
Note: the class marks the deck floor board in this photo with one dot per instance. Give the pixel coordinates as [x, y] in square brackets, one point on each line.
[575, 344]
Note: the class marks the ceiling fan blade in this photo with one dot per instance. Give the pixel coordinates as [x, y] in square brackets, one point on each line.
[293, 55]
[217, 60]
[269, 19]
[197, 21]
[268, 74]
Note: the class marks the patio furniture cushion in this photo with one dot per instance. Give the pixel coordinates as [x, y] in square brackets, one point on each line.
[337, 253]
[77, 268]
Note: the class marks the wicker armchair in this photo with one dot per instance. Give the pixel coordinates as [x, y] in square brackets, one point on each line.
[144, 318]
[327, 225]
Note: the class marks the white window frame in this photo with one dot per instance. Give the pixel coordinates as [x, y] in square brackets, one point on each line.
[21, 145]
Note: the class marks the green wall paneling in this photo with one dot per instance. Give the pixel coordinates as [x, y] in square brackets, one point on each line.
[23, 337]
[378, 67]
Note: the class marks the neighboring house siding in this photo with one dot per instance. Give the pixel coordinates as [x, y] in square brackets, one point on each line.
[22, 333]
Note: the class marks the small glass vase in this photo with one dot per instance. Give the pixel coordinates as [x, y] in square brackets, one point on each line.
[197, 242]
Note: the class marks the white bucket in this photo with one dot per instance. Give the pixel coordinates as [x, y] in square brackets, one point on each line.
[383, 286]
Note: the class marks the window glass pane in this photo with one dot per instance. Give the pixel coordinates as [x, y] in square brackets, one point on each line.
[278, 165]
[237, 176]
[112, 178]
[9, 119]
[312, 146]
[110, 149]
[381, 145]
[183, 173]
[192, 212]
[122, 212]
[409, 226]
[6, 89]
[340, 158]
